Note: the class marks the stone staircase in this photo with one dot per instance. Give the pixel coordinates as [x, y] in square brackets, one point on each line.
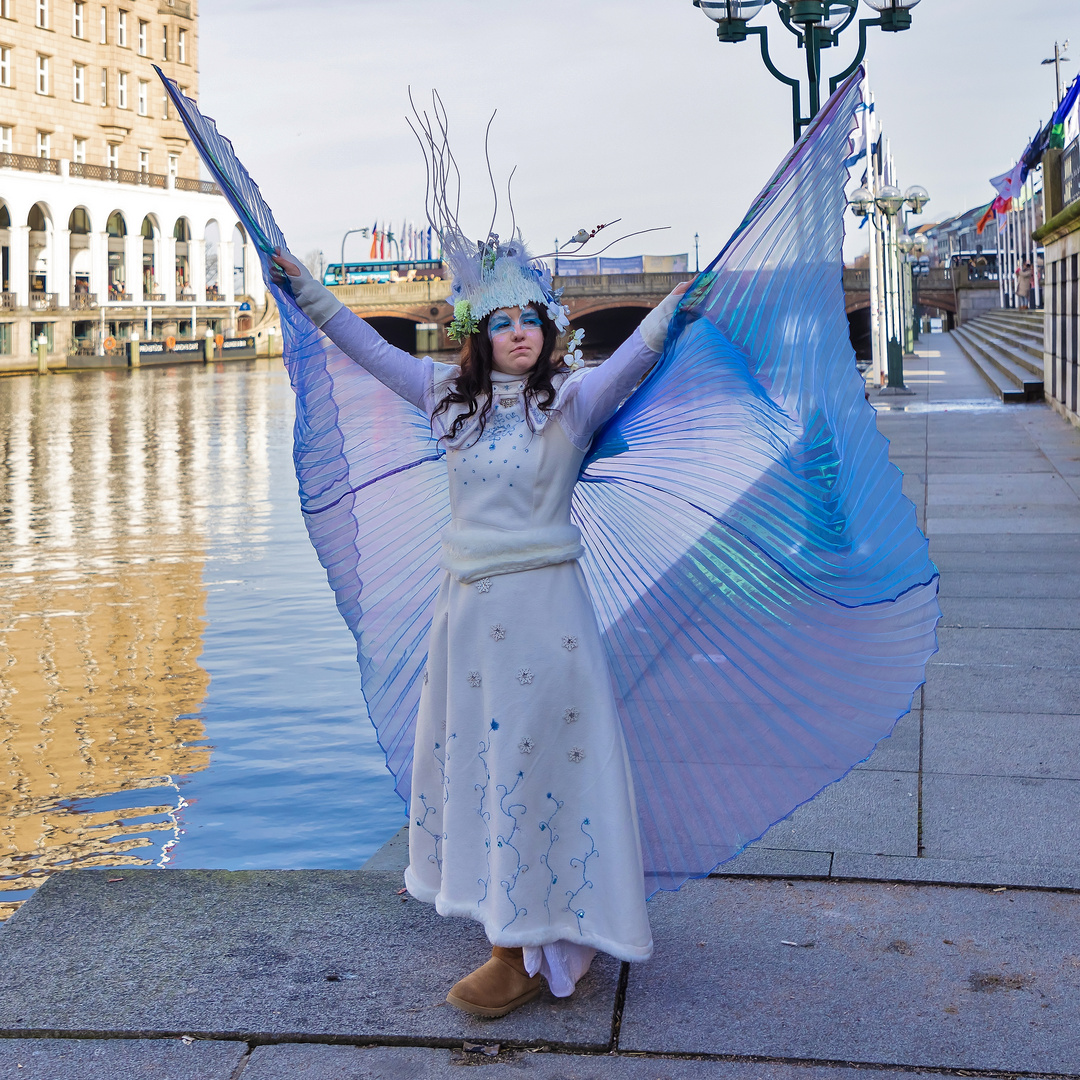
[1006, 345]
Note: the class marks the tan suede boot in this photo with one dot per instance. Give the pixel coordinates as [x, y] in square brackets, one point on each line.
[497, 987]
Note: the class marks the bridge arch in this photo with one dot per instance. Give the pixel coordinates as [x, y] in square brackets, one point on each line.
[608, 325]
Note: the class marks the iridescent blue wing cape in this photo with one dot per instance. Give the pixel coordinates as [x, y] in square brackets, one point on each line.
[373, 485]
[765, 596]
[767, 599]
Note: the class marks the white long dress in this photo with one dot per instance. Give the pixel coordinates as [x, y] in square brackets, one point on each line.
[523, 815]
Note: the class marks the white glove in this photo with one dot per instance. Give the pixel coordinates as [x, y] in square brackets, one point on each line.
[654, 326]
[316, 301]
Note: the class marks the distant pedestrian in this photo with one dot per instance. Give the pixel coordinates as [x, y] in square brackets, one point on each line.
[1023, 276]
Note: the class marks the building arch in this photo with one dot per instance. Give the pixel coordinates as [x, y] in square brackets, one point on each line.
[5, 246]
[153, 286]
[80, 256]
[79, 221]
[40, 222]
[182, 258]
[116, 230]
[213, 271]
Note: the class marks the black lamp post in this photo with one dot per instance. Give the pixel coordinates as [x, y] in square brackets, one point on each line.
[817, 24]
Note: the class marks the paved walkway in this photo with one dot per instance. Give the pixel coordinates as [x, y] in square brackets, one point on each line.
[919, 916]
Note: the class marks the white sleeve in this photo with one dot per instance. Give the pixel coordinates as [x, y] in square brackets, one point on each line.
[589, 398]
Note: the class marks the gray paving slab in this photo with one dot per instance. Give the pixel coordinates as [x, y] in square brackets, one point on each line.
[1000, 688]
[898, 753]
[414, 1063]
[1019, 819]
[923, 976]
[1000, 489]
[1059, 649]
[1002, 744]
[868, 810]
[119, 1059]
[251, 953]
[1038, 560]
[761, 861]
[940, 522]
[1053, 585]
[993, 873]
[1005, 542]
[393, 856]
[1050, 613]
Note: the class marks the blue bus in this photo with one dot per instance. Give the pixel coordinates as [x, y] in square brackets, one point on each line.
[378, 271]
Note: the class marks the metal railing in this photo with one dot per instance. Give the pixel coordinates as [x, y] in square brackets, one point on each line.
[124, 296]
[30, 164]
[43, 301]
[81, 301]
[204, 187]
[154, 297]
[614, 284]
[7, 301]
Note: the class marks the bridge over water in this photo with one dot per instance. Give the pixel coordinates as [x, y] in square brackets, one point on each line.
[606, 306]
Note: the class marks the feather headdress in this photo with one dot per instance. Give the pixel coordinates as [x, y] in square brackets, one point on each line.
[486, 274]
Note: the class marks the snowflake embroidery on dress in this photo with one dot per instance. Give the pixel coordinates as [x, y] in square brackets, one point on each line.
[503, 423]
[524, 676]
[572, 716]
[569, 642]
[526, 745]
[576, 755]
[474, 678]
[498, 632]
[483, 585]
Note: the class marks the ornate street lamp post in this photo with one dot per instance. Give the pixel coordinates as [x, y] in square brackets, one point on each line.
[817, 24]
[881, 208]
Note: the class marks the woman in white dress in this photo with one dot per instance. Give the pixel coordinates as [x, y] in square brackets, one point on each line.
[522, 814]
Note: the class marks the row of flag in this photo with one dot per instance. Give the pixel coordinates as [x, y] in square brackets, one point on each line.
[1050, 137]
[412, 242]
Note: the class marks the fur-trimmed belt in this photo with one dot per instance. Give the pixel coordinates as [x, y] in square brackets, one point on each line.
[474, 552]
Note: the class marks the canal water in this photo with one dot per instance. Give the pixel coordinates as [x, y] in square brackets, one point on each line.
[176, 686]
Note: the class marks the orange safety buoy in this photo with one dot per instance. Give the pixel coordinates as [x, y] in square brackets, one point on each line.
[109, 343]
[170, 343]
[219, 340]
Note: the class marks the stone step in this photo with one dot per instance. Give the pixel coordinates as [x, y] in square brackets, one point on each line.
[1026, 328]
[1010, 389]
[989, 337]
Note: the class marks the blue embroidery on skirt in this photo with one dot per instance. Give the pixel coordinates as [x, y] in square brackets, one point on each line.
[506, 842]
[583, 862]
[553, 836]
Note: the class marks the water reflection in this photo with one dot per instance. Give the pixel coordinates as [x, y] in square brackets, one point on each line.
[101, 618]
[150, 540]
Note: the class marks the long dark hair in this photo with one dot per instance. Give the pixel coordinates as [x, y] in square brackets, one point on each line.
[473, 385]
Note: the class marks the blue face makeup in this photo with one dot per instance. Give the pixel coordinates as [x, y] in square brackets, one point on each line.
[501, 323]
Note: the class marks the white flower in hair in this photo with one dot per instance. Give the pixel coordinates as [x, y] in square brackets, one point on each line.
[573, 357]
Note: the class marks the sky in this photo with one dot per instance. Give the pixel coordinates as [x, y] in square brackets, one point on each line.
[609, 109]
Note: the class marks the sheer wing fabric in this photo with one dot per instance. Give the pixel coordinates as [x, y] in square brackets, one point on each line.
[373, 485]
[766, 597]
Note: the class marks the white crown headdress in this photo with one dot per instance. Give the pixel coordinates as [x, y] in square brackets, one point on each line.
[487, 274]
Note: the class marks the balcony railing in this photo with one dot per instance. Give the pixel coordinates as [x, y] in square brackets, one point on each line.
[43, 301]
[7, 301]
[81, 301]
[124, 296]
[154, 297]
[86, 171]
[30, 164]
[204, 187]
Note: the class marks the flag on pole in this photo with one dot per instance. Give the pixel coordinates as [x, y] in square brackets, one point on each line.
[1008, 184]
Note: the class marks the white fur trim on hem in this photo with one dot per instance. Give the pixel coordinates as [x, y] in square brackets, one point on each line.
[470, 554]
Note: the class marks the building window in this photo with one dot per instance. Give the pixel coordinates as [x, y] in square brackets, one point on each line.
[42, 74]
[181, 46]
[144, 161]
[5, 140]
[121, 29]
[77, 23]
[121, 89]
[78, 150]
[104, 86]
[144, 98]
[144, 29]
[5, 9]
[79, 83]
[104, 25]
[44, 143]
[174, 164]
[43, 14]
[113, 155]
[165, 43]
[5, 336]
[5, 66]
